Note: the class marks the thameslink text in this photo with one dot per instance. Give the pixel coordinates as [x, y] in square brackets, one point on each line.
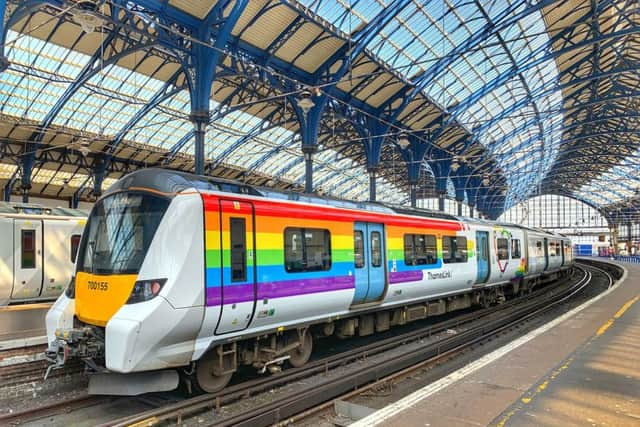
[439, 275]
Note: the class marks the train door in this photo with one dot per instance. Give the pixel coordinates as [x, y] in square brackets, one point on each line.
[546, 253]
[482, 244]
[238, 266]
[27, 260]
[63, 239]
[369, 256]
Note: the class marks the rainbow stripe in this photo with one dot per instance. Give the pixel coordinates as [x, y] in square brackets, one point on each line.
[272, 218]
[273, 281]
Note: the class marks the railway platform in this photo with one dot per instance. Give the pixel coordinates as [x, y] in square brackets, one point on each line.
[580, 369]
[22, 325]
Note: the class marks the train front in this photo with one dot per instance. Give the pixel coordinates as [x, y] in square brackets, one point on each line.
[112, 296]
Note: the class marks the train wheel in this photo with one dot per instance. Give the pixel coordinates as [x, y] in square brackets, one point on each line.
[208, 376]
[301, 354]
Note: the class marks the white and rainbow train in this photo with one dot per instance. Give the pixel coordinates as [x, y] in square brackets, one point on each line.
[183, 276]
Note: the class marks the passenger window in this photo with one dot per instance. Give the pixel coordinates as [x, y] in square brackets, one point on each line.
[376, 249]
[75, 244]
[552, 249]
[515, 249]
[420, 249]
[539, 248]
[454, 249]
[503, 248]
[307, 249]
[28, 238]
[238, 250]
[446, 249]
[358, 249]
[461, 249]
[409, 253]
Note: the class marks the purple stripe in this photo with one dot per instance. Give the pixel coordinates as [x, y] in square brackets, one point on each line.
[285, 288]
[405, 276]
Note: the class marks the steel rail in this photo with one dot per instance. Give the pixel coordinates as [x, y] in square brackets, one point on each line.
[288, 406]
[243, 390]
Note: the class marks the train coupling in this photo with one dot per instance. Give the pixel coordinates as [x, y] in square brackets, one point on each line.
[82, 343]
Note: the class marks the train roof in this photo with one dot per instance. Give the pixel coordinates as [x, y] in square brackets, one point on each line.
[510, 224]
[13, 208]
[168, 181]
[172, 182]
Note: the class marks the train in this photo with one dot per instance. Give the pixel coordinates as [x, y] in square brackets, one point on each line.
[37, 251]
[182, 279]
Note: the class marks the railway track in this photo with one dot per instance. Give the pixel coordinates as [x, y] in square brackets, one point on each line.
[470, 329]
[439, 343]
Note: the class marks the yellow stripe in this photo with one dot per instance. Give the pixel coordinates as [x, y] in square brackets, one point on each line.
[272, 241]
[604, 327]
[618, 314]
[625, 307]
[212, 240]
[527, 399]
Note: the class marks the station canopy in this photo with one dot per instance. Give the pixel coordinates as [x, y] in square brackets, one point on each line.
[506, 99]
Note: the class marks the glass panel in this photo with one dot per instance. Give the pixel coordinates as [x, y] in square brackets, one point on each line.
[75, 243]
[119, 232]
[28, 249]
[447, 249]
[503, 248]
[454, 249]
[307, 249]
[409, 257]
[515, 248]
[238, 250]
[358, 249]
[376, 249]
[461, 249]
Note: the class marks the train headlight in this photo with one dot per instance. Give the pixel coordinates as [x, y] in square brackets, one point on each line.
[71, 289]
[144, 290]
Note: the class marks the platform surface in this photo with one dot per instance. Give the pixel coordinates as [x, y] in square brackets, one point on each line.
[22, 325]
[584, 371]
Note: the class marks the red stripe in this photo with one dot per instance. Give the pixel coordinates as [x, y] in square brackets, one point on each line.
[284, 209]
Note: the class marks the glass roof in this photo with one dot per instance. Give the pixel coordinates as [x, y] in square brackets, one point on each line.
[105, 104]
[620, 183]
[426, 32]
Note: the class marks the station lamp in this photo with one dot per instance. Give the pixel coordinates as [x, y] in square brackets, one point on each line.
[403, 141]
[86, 15]
[455, 164]
[305, 102]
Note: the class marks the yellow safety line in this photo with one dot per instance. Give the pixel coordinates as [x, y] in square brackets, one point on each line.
[619, 313]
[542, 386]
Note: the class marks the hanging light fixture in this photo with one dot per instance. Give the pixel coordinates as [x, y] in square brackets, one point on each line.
[455, 165]
[85, 14]
[305, 102]
[485, 180]
[403, 141]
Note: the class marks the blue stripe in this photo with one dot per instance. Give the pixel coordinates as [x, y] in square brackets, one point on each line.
[401, 266]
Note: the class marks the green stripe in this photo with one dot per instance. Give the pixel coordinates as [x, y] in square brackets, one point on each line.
[270, 257]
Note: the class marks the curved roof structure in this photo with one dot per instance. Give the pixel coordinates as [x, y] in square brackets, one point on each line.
[505, 99]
